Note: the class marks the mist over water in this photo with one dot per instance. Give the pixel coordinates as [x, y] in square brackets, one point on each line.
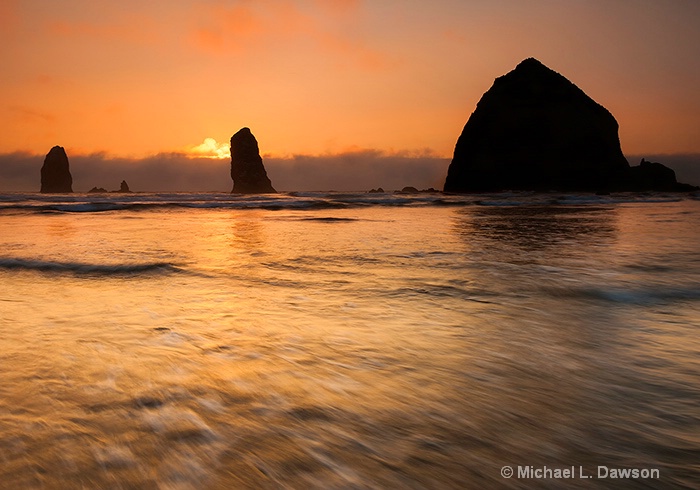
[334, 340]
[174, 172]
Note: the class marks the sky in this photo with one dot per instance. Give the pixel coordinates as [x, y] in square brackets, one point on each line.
[322, 82]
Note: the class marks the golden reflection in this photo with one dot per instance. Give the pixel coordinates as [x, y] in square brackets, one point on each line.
[247, 233]
[61, 227]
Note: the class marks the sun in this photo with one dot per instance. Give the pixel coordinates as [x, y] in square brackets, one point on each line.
[210, 148]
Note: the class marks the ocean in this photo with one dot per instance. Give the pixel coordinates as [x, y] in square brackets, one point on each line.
[349, 340]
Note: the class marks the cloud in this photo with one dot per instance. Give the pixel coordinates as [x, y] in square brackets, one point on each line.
[210, 148]
[19, 172]
[359, 53]
[357, 170]
[229, 27]
[339, 7]
[140, 30]
[271, 24]
[28, 114]
[348, 171]
[352, 170]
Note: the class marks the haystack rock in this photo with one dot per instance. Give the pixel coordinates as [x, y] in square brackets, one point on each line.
[55, 173]
[535, 130]
[247, 170]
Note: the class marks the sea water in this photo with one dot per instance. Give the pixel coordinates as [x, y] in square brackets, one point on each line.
[327, 340]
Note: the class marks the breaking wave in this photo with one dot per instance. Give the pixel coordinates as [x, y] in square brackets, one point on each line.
[79, 268]
[86, 203]
[649, 295]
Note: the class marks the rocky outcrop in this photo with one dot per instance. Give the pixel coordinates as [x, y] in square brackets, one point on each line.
[55, 173]
[247, 170]
[654, 176]
[413, 190]
[124, 187]
[535, 130]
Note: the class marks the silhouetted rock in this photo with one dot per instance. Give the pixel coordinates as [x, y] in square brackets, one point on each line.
[413, 190]
[247, 170]
[654, 176]
[96, 190]
[55, 173]
[535, 130]
[124, 187]
[378, 190]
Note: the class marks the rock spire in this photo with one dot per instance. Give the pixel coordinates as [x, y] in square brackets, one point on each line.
[55, 173]
[247, 170]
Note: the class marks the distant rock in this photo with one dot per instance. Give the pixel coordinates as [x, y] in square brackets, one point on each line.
[55, 173]
[654, 176]
[535, 130]
[247, 170]
[413, 190]
[378, 190]
[124, 187]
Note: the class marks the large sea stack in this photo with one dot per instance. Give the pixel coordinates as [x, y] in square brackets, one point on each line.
[247, 170]
[535, 130]
[55, 173]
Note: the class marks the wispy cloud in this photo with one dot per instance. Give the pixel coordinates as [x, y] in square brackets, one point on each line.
[135, 29]
[222, 27]
[229, 27]
[29, 114]
[339, 7]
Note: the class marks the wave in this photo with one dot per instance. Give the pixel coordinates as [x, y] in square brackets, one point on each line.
[86, 203]
[96, 207]
[329, 219]
[80, 268]
[634, 296]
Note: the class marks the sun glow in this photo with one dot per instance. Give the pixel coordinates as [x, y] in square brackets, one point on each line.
[210, 148]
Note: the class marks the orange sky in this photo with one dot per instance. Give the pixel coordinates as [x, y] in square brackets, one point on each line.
[134, 78]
